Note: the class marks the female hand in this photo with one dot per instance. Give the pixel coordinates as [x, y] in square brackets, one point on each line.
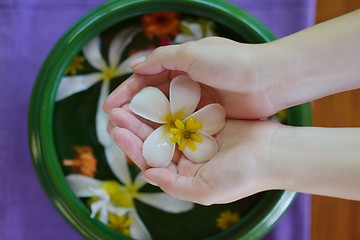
[239, 169]
[229, 73]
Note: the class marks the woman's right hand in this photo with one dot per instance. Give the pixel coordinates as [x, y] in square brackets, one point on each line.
[229, 73]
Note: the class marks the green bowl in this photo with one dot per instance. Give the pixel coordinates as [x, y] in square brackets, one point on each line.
[57, 126]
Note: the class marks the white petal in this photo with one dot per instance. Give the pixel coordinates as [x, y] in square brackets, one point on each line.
[195, 29]
[158, 150]
[102, 118]
[82, 185]
[70, 85]
[124, 67]
[205, 150]
[152, 104]
[92, 53]
[99, 206]
[117, 210]
[138, 229]
[139, 181]
[182, 38]
[209, 31]
[118, 44]
[101, 193]
[104, 215]
[212, 117]
[116, 159]
[184, 96]
[165, 202]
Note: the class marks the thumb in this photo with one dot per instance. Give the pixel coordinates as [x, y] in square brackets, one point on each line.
[186, 188]
[162, 177]
[173, 57]
[171, 183]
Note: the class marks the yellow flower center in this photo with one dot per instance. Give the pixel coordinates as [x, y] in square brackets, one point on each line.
[120, 223]
[120, 196]
[185, 133]
[227, 219]
[75, 65]
[109, 73]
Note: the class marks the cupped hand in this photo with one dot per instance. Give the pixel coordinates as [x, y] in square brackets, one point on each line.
[230, 73]
[240, 168]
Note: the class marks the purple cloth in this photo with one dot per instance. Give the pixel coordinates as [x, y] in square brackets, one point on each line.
[28, 31]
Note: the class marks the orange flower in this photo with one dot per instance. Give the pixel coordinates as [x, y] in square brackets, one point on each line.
[227, 219]
[161, 24]
[84, 163]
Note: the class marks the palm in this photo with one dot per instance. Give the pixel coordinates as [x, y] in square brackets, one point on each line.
[241, 163]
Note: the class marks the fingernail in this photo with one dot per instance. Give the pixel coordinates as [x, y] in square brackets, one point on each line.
[137, 61]
[114, 130]
[149, 181]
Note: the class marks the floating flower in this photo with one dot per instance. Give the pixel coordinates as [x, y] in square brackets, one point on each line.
[227, 219]
[180, 124]
[113, 203]
[161, 24]
[76, 64]
[84, 163]
[192, 31]
[107, 70]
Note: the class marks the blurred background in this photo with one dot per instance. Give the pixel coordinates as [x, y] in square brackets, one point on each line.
[334, 218]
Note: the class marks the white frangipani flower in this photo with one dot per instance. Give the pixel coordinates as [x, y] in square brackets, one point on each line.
[107, 70]
[180, 124]
[111, 197]
[196, 31]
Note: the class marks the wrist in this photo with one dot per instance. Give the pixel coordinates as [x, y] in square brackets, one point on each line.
[279, 166]
[313, 63]
[268, 74]
[315, 160]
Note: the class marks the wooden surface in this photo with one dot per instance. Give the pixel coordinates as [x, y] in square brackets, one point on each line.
[334, 219]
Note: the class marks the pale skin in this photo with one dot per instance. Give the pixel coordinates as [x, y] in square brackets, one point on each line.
[253, 81]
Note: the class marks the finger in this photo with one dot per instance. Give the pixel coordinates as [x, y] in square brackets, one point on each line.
[110, 127]
[185, 167]
[121, 118]
[143, 120]
[125, 92]
[131, 145]
[182, 187]
[122, 94]
[174, 57]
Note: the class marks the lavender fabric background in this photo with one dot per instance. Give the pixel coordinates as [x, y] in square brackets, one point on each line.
[28, 30]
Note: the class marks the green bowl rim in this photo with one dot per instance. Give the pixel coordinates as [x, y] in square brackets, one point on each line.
[40, 122]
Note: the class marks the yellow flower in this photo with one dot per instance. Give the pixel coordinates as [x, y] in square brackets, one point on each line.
[227, 219]
[120, 223]
[282, 115]
[121, 196]
[185, 132]
[76, 64]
